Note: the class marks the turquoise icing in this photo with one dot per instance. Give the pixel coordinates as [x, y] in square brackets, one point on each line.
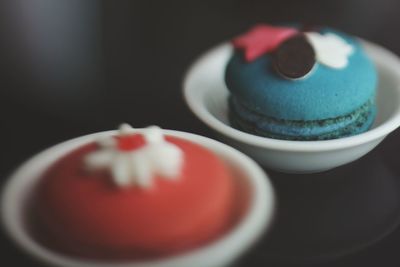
[356, 122]
[325, 93]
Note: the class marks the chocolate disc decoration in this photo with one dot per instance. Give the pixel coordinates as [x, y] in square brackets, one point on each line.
[295, 57]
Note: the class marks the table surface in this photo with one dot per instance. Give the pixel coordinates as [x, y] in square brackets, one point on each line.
[73, 67]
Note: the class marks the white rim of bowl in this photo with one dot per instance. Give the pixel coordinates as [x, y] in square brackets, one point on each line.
[257, 219]
[391, 60]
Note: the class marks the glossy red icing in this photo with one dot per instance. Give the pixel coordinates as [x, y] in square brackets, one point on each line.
[89, 215]
[262, 39]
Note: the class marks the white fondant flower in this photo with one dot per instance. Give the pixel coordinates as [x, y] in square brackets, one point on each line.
[138, 166]
[331, 50]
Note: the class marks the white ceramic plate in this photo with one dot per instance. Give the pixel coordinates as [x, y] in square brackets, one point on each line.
[255, 220]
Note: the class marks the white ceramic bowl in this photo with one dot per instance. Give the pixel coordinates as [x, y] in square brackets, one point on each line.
[249, 177]
[206, 95]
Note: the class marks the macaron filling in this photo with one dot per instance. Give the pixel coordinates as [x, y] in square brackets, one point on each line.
[245, 119]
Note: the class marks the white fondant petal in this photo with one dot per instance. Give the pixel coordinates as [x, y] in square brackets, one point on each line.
[120, 171]
[331, 50]
[153, 135]
[333, 60]
[141, 170]
[99, 159]
[167, 160]
[125, 129]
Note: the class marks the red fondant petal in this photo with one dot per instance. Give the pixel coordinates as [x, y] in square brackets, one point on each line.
[262, 39]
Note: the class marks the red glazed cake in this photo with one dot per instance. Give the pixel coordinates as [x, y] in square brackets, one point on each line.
[138, 194]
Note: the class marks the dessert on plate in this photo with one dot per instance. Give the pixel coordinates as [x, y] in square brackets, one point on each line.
[298, 83]
[138, 194]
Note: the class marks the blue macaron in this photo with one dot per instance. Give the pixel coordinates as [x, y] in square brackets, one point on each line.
[327, 102]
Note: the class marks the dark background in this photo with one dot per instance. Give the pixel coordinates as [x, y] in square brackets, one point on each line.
[72, 67]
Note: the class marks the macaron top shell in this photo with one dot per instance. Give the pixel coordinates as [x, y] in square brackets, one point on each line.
[324, 93]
